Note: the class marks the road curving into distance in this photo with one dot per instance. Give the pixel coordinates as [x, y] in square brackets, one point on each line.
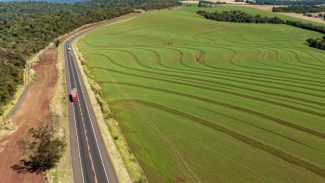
[90, 160]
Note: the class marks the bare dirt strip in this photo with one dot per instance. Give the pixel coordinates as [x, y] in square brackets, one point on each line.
[33, 111]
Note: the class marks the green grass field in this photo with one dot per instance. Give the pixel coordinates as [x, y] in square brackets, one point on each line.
[208, 101]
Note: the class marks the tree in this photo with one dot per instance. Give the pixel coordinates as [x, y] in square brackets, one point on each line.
[57, 43]
[42, 150]
[317, 43]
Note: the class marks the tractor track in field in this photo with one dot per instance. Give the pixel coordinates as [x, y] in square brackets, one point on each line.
[170, 147]
[211, 75]
[209, 67]
[230, 92]
[231, 62]
[291, 68]
[218, 74]
[316, 169]
[260, 74]
[283, 122]
[206, 100]
[223, 84]
[225, 73]
[235, 72]
[209, 81]
[265, 116]
[296, 55]
[236, 53]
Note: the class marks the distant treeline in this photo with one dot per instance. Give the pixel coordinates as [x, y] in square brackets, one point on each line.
[317, 43]
[300, 9]
[242, 17]
[290, 2]
[27, 27]
[207, 4]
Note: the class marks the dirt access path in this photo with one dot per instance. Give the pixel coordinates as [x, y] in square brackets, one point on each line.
[33, 111]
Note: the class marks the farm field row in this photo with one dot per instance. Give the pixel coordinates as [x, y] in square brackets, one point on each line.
[206, 101]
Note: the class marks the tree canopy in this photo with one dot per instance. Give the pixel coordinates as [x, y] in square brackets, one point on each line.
[42, 150]
[317, 43]
[27, 27]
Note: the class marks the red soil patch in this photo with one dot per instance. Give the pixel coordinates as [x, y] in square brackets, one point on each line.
[33, 112]
[179, 180]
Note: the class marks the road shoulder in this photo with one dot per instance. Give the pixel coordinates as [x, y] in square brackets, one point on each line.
[62, 173]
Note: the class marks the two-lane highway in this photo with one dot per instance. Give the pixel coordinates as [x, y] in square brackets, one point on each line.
[90, 160]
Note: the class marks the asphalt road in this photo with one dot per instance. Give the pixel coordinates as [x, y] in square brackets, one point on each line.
[17, 104]
[90, 160]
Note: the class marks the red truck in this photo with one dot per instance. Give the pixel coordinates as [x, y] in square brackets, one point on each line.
[74, 95]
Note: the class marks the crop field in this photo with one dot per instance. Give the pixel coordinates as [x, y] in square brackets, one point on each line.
[206, 101]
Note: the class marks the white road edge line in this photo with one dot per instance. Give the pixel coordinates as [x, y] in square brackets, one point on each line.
[74, 117]
[82, 92]
[68, 44]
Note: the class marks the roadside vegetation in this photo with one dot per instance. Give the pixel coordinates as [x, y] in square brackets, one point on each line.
[27, 27]
[42, 150]
[205, 101]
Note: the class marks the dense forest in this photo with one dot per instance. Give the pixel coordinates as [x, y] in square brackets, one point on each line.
[242, 17]
[300, 9]
[291, 2]
[317, 43]
[27, 27]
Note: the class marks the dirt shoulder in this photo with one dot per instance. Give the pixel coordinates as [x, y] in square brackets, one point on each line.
[33, 111]
[295, 15]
